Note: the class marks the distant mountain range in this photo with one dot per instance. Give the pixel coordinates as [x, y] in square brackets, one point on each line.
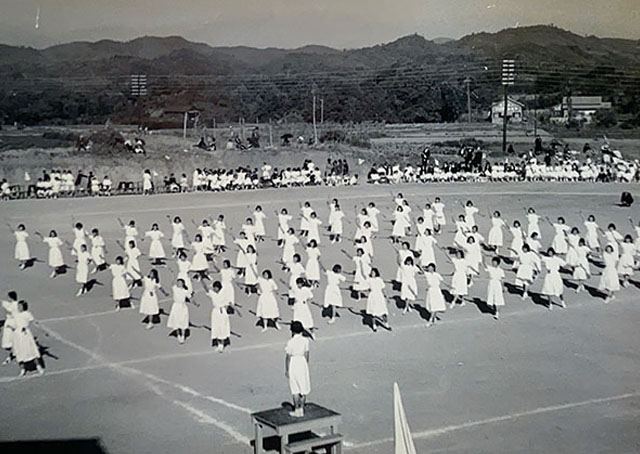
[411, 78]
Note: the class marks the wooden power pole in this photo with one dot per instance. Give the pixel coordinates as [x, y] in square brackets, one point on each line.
[508, 78]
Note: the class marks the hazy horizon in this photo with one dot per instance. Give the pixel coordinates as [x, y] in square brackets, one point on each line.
[289, 24]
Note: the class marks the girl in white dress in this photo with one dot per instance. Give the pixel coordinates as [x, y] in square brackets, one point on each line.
[10, 305]
[517, 240]
[289, 248]
[200, 265]
[332, 292]
[156, 250]
[313, 224]
[435, 301]
[400, 225]
[560, 244]
[251, 271]
[403, 253]
[267, 309]
[179, 315]
[250, 231]
[297, 368]
[305, 214]
[218, 240]
[627, 263]
[592, 228]
[130, 231]
[21, 251]
[258, 222]
[462, 229]
[408, 283]
[177, 237]
[529, 267]
[149, 300]
[97, 251]
[495, 292]
[82, 270]
[133, 268]
[25, 348]
[56, 262]
[119, 288]
[581, 271]
[184, 267]
[496, 238]
[553, 286]
[283, 225]
[335, 224]
[373, 213]
[609, 281]
[79, 237]
[242, 242]
[227, 277]
[362, 264]
[220, 320]
[302, 296]
[613, 237]
[206, 233]
[459, 284]
[312, 268]
[425, 246]
[473, 255]
[470, 212]
[428, 215]
[376, 308]
[440, 218]
[573, 238]
[533, 221]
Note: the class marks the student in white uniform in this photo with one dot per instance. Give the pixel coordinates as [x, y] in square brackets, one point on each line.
[258, 221]
[82, 270]
[21, 251]
[305, 214]
[267, 309]
[130, 231]
[529, 266]
[199, 265]
[179, 314]
[10, 305]
[553, 286]
[373, 213]
[283, 225]
[133, 268]
[313, 224]
[560, 244]
[581, 271]
[376, 308]
[335, 224]
[289, 248]
[495, 240]
[297, 368]
[495, 292]
[533, 221]
[79, 237]
[227, 278]
[156, 250]
[220, 320]
[119, 288]
[302, 297]
[25, 348]
[98, 251]
[435, 301]
[440, 218]
[177, 237]
[312, 267]
[609, 281]
[408, 283]
[470, 212]
[613, 237]
[55, 259]
[459, 284]
[149, 306]
[218, 239]
[626, 263]
[332, 292]
[184, 267]
[592, 229]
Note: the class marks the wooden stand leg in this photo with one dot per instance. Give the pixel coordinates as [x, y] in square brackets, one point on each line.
[257, 446]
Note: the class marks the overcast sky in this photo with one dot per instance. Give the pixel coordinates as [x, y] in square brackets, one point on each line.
[294, 23]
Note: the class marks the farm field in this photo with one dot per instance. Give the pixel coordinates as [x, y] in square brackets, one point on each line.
[535, 381]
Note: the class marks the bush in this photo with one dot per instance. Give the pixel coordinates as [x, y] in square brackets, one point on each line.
[605, 118]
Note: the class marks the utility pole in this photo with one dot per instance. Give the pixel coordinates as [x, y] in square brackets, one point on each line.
[322, 111]
[315, 128]
[139, 90]
[468, 82]
[508, 78]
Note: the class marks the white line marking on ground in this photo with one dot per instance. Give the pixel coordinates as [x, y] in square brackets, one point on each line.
[78, 317]
[130, 371]
[513, 416]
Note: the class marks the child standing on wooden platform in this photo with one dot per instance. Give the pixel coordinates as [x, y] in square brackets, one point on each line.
[297, 368]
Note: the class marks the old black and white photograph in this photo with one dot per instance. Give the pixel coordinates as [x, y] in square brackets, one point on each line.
[305, 226]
